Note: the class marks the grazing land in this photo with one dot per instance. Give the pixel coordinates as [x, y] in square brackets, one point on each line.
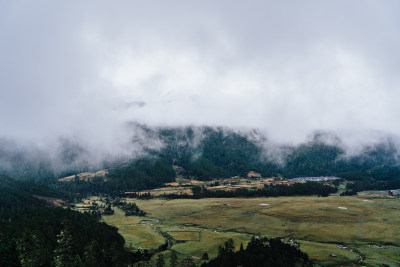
[183, 185]
[136, 230]
[186, 235]
[85, 176]
[366, 232]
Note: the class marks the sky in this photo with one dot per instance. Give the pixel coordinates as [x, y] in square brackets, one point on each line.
[84, 69]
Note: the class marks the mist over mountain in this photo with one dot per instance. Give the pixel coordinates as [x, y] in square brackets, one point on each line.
[207, 153]
[82, 72]
[98, 84]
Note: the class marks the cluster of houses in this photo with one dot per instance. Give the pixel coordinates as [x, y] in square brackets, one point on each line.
[314, 179]
[394, 192]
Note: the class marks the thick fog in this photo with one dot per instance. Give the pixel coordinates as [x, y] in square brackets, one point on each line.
[83, 70]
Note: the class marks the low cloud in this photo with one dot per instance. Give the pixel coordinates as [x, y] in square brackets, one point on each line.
[84, 71]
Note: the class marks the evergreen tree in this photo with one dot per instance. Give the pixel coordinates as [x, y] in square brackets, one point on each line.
[108, 210]
[64, 252]
[160, 260]
[78, 261]
[229, 246]
[205, 256]
[174, 259]
[8, 252]
[92, 254]
[188, 262]
[31, 250]
[114, 256]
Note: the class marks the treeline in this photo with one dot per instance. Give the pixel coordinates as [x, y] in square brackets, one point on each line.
[221, 153]
[60, 237]
[140, 174]
[378, 162]
[130, 209]
[33, 234]
[206, 153]
[296, 189]
[372, 184]
[18, 195]
[224, 153]
[259, 252]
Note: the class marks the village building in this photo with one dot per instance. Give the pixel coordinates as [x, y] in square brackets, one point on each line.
[253, 174]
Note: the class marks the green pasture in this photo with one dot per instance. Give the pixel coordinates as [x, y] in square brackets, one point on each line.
[308, 219]
[136, 230]
[368, 228]
[186, 235]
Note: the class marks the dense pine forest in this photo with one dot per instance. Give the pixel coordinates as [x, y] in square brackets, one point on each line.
[297, 189]
[259, 252]
[33, 233]
[205, 153]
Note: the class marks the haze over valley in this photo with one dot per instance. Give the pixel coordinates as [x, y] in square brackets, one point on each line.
[182, 133]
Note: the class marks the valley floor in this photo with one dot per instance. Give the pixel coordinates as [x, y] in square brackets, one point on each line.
[332, 230]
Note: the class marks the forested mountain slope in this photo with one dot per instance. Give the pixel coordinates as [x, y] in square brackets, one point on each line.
[208, 153]
[34, 234]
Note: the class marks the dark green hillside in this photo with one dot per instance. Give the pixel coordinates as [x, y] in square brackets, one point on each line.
[17, 195]
[221, 153]
[209, 153]
[235, 154]
[317, 159]
[313, 159]
[140, 174]
[204, 153]
[378, 162]
[32, 234]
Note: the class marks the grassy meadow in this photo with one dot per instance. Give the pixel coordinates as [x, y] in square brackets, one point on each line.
[137, 231]
[352, 228]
